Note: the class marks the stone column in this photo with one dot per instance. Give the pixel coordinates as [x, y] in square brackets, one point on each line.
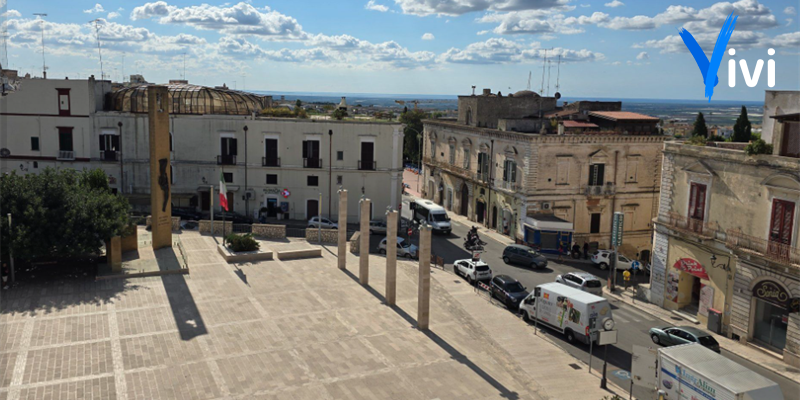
[391, 258]
[342, 229]
[114, 253]
[363, 270]
[160, 206]
[424, 287]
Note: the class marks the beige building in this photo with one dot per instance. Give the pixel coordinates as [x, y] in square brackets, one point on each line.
[277, 167]
[499, 171]
[725, 248]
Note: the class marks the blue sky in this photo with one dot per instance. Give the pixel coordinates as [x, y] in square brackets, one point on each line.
[608, 48]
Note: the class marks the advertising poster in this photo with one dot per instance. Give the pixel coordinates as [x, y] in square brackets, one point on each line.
[706, 300]
[672, 286]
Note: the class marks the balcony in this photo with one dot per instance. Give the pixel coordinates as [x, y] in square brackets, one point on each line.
[229, 159]
[270, 161]
[312, 163]
[109, 155]
[367, 165]
[66, 155]
[693, 226]
[776, 252]
[505, 185]
[599, 190]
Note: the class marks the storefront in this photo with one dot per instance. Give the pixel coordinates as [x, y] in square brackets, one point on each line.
[546, 231]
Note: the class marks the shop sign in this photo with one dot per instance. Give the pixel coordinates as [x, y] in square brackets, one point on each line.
[691, 266]
[770, 291]
[286, 193]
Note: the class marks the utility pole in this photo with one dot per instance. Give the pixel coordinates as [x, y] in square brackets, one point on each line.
[41, 24]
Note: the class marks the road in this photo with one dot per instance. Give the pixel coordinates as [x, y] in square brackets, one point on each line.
[633, 325]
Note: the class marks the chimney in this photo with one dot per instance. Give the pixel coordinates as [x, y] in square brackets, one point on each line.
[487, 92]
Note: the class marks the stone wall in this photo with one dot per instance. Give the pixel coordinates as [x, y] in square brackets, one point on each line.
[176, 223]
[355, 243]
[130, 239]
[274, 232]
[205, 227]
[329, 236]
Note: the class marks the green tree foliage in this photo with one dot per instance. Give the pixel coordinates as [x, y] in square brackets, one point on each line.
[339, 114]
[700, 128]
[60, 213]
[697, 140]
[758, 146]
[412, 119]
[243, 242]
[298, 103]
[742, 129]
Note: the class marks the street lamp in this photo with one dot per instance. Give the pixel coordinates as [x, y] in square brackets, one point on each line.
[246, 193]
[121, 165]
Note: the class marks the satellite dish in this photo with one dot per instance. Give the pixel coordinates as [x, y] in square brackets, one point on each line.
[557, 95]
[5, 152]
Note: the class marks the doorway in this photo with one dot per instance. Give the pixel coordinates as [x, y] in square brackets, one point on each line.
[272, 207]
[694, 303]
[480, 210]
[770, 325]
[494, 217]
[312, 208]
[464, 200]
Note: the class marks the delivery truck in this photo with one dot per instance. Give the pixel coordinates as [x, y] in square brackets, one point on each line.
[575, 313]
[691, 371]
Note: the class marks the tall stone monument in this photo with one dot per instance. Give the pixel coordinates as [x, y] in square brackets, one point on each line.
[424, 286]
[160, 201]
[363, 248]
[391, 258]
[342, 228]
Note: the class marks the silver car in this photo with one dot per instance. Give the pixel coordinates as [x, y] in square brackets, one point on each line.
[322, 222]
[403, 249]
[582, 281]
[377, 227]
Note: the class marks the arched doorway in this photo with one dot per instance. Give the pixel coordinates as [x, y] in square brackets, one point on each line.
[312, 208]
[494, 217]
[480, 211]
[464, 200]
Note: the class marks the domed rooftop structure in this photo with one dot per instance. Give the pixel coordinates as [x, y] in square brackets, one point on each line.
[192, 99]
[525, 93]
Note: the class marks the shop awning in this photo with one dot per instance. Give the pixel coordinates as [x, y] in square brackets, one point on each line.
[547, 222]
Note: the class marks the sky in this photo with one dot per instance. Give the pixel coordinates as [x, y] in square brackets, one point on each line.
[606, 48]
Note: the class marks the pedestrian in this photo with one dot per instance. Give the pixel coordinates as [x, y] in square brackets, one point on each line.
[561, 251]
[626, 276]
[576, 251]
[585, 250]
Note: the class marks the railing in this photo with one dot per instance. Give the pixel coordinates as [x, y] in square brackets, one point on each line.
[312, 163]
[506, 185]
[599, 190]
[692, 225]
[270, 161]
[774, 251]
[367, 165]
[109, 155]
[226, 159]
[66, 155]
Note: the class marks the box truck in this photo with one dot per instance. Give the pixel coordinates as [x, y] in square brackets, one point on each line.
[691, 371]
[575, 313]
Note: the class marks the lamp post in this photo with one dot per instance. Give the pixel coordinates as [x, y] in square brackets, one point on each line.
[330, 171]
[121, 164]
[246, 193]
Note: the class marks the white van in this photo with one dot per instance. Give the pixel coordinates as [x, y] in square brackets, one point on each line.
[433, 214]
[573, 312]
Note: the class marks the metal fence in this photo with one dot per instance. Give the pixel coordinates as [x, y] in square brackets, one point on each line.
[242, 228]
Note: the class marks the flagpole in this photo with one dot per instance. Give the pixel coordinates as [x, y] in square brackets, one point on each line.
[211, 193]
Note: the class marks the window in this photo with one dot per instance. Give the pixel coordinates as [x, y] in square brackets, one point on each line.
[228, 151]
[338, 179]
[34, 143]
[596, 174]
[632, 175]
[697, 201]
[466, 158]
[562, 171]
[65, 139]
[483, 166]
[452, 154]
[311, 154]
[339, 155]
[781, 226]
[109, 146]
[63, 102]
[433, 150]
[228, 176]
[510, 171]
[595, 223]
[790, 146]
[312, 181]
[367, 161]
[272, 179]
[170, 142]
[469, 116]
[271, 158]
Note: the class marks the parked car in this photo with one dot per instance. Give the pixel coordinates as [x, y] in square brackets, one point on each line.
[508, 290]
[403, 249]
[674, 335]
[230, 216]
[324, 223]
[602, 258]
[377, 227]
[582, 281]
[521, 254]
[472, 270]
[187, 213]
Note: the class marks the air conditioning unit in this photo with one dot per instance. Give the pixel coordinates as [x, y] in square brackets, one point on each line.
[546, 205]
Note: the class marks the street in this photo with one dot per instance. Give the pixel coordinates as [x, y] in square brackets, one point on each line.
[633, 325]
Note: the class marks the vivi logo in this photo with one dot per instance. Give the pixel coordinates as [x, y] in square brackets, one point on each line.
[709, 68]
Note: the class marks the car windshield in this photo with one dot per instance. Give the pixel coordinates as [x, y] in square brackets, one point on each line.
[593, 284]
[707, 341]
[440, 217]
[514, 287]
[482, 268]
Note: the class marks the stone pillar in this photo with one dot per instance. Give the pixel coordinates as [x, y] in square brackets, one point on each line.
[160, 207]
[114, 253]
[424, 287]
[391, 258]
[363, 269]
[342, 229]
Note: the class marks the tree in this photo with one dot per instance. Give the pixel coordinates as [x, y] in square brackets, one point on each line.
[742, 129]
[339, 114]
[700, 128]
[298, 103]
[412, 119]
[61, 213]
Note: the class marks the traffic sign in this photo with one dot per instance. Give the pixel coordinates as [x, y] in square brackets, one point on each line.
[410, 231]
[636, 265]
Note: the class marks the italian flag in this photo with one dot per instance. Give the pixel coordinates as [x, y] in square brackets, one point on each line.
[223, 199]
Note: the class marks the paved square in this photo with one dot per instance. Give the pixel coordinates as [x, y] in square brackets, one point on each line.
[299, 329]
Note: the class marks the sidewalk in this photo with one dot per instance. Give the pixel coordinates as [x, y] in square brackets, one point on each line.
[754, 355]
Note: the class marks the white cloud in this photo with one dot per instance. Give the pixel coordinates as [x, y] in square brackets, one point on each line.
[11, 14]
[98, 8]
[752, 16]
[614, 4]
[586, 5]
[790, 10]
[376, 7]
[113, 15]
[503, 51]
[428, 36]
[643, 56]
[239, 19]
[616, 63]
[540, 22]
[459, 7]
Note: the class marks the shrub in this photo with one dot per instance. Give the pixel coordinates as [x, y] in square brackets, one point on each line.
[697, 140]
[716, 138]
[239, 243]
[758, 146]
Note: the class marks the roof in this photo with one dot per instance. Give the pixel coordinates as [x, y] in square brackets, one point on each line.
[718, 369]
[693, 330]
[547, 222]
[575, 295]
[787, 117]
[191, 99]
[562, 113]
[585, 275]
[578, 124]
[622, 116]
[525, 93]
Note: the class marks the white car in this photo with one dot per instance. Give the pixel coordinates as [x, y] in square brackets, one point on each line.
[377, 227]
[473, 270]
[324, 223]
[602, 258]
[403, 248]
[582, 281]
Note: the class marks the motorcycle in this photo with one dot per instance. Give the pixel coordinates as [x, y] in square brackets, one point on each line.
[473, 242]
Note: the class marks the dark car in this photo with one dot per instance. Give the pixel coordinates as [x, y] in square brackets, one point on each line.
[187, 214]
[524, 255]
[674, 335]
[508, 290]
[231, 217]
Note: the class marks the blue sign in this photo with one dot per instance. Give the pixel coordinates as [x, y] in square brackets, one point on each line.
[636, 265]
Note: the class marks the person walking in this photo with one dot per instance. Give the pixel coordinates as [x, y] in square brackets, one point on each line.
[561, 251]
[585, 250]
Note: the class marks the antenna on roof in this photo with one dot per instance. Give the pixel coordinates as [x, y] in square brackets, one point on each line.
[529, 80]
[41, 24]
[558, 74]
[549, 67]
[541, 90]
[184, 65]
[99, 50]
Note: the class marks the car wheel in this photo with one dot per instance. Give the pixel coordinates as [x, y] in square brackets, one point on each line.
[603, 266]
[506, 260]
[533, 265]
[526, 317]
[382, 251]
[455, 270]
[371, 232]
[655, 339]
[469, 280]
[409, 256]
[570, 336]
